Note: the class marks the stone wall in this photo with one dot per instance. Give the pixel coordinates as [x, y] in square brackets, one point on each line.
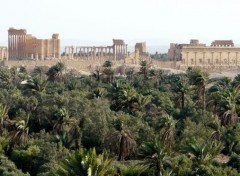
[225, 58]
[79, 65]
[166, 64]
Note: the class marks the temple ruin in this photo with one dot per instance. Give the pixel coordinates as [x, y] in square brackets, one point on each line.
[23, 46]
[222, 54]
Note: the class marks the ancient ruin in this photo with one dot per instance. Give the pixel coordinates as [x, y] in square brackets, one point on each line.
[117, 51]
[23, 46]
[3, 53]
[222, 54]
[141, 47]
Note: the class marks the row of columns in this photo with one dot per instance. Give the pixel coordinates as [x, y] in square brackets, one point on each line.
[16, 46]
[120, 51]
[221, 61]
[89, 52]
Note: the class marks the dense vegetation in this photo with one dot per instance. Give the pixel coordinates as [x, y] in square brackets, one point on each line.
[55, 122]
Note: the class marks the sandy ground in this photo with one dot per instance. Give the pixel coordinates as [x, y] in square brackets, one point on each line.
[230, 74]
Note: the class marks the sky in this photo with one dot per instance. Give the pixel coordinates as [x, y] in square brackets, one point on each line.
[158, 22]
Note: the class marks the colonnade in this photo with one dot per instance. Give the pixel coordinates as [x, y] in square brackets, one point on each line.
[211, 59]
[16, 46]
[120, 51]
[93, 53]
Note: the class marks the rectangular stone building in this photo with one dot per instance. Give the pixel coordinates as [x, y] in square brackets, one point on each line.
[25, 46]
[222, 54]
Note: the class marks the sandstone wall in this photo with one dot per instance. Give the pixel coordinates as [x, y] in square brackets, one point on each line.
[83, 65]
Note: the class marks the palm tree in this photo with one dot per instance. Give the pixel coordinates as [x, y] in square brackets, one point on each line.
[85, 163]
[56, 72]
[107, 64]
[200, 79]
[228, 104]
[181, 85]
[215, 91]
[109, 72]
[202, 153]
[217, 129]
[5, 122]
[67, 129]
[231, 138]
[36, 85]
[144, 68]
[156, 156]
[120, 141]
[6, 78]
[167, 128]
[130, 74]
[98, 93]
[20, 135]
[39, 71]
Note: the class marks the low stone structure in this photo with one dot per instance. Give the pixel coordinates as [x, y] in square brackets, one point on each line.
[141, 47]
[3, 53]
[138, 55]
[23, 46]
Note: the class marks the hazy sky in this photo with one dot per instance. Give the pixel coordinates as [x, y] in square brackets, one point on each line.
[156, 21]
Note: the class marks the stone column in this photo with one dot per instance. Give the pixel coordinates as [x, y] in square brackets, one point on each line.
[187, 59]
[16, 51]
[117, 51]
[195, 58]
[23, 48]
[93, 52]
[126, 50]
[17, 47]
[220, 58]
[114, 52]
[20, 46]
[42, 50]
[54, 48]
[87, 53]
[228, 59]
[204, 60]
[98, 53]
[101, 53]
[65, 52]
[6, 54]
[237, 58]
[1, 52]
[9, 44]
[72, 52]
[212, 61]
[47, 48]
[13, 47]
[80, 53]
[120, 51]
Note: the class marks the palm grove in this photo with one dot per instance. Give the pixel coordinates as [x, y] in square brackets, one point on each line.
[56, 122]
